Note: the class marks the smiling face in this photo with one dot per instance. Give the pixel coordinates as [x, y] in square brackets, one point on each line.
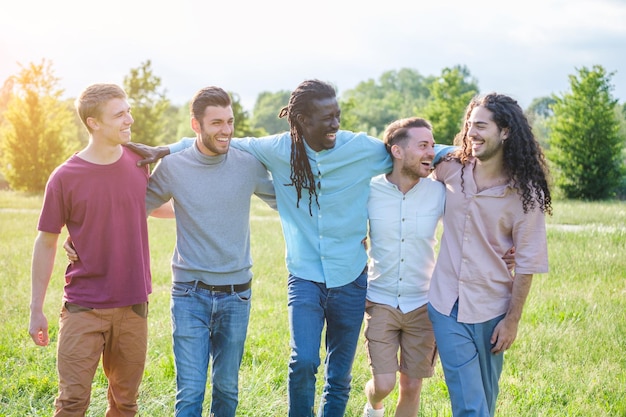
[113, 123]
[415, 153]
[321, 124]
[215, 130]
[485, 137]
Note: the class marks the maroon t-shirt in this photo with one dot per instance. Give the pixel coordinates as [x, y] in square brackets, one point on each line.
[104, 210]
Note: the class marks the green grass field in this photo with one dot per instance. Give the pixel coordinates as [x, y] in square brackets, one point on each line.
[569, 358]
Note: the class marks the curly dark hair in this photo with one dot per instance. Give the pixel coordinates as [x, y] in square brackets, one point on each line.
[300, 102]
[524, 162]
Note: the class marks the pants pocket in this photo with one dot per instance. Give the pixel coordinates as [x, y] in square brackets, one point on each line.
[141, 309]
[75, 308]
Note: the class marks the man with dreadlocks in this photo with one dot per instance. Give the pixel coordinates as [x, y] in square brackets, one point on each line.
[321, 177]
[497, 196]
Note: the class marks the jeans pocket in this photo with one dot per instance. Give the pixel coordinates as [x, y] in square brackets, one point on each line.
[180, 290]
[244, 295]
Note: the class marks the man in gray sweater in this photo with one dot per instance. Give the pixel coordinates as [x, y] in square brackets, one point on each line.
[210, 186]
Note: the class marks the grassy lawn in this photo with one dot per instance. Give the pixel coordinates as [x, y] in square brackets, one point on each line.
[569, 358]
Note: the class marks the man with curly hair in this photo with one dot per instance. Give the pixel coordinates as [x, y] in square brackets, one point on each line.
[497, 196]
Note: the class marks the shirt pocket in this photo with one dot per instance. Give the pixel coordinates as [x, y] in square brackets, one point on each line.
[426, 225]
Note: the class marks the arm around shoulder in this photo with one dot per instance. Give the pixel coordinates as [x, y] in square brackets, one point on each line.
[152, 154]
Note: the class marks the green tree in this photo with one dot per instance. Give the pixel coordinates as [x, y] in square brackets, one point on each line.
[586, 148]
[174, 117]
[183, 126]
[148, 104]
[449, 95]
[6, 91]
[38, 132]
[349, 119]
[243, 127]
[539, 115]
[396, 94]
[266, 109]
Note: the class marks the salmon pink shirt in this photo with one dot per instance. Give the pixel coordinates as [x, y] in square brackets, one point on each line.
[479, 228]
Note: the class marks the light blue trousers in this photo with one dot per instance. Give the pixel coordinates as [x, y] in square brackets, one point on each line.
[472, 372]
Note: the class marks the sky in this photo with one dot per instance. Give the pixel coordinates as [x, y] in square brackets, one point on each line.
[526, 49]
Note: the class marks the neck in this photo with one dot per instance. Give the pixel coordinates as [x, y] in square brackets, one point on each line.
[490, 168]
[404, 182]
[489, 173]
[101, 153]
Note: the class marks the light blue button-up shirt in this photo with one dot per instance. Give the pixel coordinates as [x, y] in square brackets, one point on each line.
[326, 246]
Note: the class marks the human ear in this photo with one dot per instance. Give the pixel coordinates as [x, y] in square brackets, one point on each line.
[396, 151]
[92, 122]
[504, 133]
[196, 125]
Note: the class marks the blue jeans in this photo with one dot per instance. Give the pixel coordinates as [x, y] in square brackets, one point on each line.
[310, 305]
[472, 372]
[208, 325]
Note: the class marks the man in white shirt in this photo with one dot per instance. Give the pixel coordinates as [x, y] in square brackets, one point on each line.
[404, 208]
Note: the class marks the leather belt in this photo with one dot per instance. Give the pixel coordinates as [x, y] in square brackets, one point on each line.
[222, 288]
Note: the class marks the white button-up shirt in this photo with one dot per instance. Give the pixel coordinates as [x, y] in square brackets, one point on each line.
[402, 241]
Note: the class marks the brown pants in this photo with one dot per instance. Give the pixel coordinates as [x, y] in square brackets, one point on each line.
[120, 337]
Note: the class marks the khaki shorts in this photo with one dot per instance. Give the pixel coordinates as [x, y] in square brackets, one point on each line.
[388, 330]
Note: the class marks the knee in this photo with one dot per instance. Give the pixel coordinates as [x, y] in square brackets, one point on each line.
[383, 384]
[303, 363]
[411, 387]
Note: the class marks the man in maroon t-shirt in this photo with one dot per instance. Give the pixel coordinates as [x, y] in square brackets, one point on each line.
[99, 195]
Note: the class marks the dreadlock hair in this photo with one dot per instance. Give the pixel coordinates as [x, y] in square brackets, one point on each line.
[523, 160]
[300, 103]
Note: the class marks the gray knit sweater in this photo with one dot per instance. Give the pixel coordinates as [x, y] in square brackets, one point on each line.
[211, 196]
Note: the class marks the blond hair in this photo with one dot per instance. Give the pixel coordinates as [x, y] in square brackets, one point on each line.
[92, 99]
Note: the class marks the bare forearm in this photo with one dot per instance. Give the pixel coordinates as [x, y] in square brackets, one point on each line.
[521, 288]
[505, 331]
[44, 253]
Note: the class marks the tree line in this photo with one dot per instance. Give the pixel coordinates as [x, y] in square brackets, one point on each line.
[582, 131]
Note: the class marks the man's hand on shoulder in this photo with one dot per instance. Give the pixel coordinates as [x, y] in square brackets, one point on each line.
[150, 154]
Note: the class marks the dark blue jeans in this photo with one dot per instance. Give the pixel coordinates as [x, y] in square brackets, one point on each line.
[208, 325]
[310, 306]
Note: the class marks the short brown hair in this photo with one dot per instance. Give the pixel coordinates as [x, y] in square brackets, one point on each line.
[397, 131]
[90, 101]
[208, 96]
